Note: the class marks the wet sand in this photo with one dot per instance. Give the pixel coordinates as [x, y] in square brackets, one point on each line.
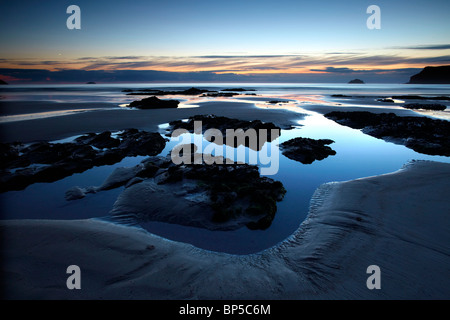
[53, 128]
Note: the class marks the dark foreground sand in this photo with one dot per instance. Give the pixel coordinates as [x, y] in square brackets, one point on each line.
[399, 222]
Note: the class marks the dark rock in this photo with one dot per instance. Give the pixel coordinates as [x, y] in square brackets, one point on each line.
[238, 89]
[154, 103]
[340, 96]
[223, 124]
[156, 92]
[2, 82]
[422, 134]
[413, 97]
[216, 197]
[277, 101]
[90, 82]
[193, 92]
[102, 140]
[306, 150]
[219, 94]
[356, 81]
[433, 106]
[141, 143]
[432, 75]
[47, 162]
[9, 152]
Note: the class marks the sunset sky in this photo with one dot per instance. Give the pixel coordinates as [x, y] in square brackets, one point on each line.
[261, 40]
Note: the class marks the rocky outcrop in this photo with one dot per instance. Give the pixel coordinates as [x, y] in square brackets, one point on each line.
[356, 81]
[432, 106]
[340, 96]
[432, 75]
[306, 150]
[3, 82]
[238, 89]
[277, 101]
[223, 124]
[220, 94]
[422, 134]
[154, 103]
[415, 97]
[157, 92]
[23, 165]
[215, 197]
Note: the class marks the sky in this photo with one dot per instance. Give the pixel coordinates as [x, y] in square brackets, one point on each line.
[180, 40]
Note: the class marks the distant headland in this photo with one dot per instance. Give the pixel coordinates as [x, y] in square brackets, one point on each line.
[432, 75]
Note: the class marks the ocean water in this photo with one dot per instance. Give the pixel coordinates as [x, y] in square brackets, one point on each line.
[358, 155]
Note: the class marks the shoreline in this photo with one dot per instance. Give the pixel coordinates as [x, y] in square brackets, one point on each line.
[397, 221]
[62, 127]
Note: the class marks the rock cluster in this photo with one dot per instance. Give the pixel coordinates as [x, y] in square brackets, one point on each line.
[23, 165]
[430, 106]
[422, 134]
[223, 124]
[215, 197]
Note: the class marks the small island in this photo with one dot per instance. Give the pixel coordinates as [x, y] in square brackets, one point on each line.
[90, 82]
[356, 81]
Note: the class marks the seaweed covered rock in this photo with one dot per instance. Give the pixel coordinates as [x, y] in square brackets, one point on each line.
[422, 134]
[157, 92]
[154, 103]
[23, 165]
[425, 106]
[263, 131]
[215, 197]
[306, 150]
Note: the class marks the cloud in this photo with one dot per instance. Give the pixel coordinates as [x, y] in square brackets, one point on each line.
[237, 63]
[327, 74]
[427, 47]
[367, 71]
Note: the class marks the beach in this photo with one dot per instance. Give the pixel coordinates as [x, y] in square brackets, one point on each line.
[351, 225]
[373, 203]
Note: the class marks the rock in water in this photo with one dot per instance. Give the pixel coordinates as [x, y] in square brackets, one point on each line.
[432, 106]
[215, 197]
[306, 150]
[154, 103]
[432, 75]
[422, 134]
[47, 162]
